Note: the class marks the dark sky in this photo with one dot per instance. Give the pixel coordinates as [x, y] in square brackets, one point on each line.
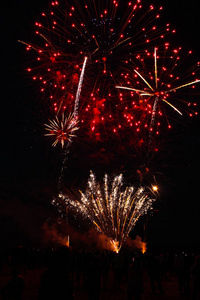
[27, 158]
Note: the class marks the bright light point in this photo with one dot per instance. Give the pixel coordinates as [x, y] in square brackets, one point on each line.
[154, 188]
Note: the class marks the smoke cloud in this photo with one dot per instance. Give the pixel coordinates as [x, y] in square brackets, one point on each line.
[89, 240]
[137, 244]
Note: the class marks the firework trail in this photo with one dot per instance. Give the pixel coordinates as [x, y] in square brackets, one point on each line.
[73, 127]
[64, 129]
[112, 209]
[78, 93]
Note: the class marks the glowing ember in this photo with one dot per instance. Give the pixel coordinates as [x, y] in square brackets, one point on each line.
[67, 242]
[144, 248]
[154, 188]
[115, 246]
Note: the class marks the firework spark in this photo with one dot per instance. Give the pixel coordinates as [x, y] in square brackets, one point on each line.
[156, 86]
[108, 33]
[62, 130]
[112, 209]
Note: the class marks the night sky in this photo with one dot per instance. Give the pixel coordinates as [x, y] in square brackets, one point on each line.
[30, 166]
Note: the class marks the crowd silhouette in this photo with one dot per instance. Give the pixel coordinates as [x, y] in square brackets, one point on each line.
[65, 270]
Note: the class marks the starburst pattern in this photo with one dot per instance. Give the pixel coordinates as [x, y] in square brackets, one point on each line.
[156, 83]
[63, 130]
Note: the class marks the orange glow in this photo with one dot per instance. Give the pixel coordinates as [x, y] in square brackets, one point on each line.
[144, 248]
[67, 242]
[154, 188]
[115, 246]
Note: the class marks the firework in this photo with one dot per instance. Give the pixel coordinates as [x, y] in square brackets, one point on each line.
[78, 93]
[112, 209]
[108, 33]
[62, 130]
[156, 84]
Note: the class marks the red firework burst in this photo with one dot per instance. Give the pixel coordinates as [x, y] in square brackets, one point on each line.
[158, 85]
[63, 130]
[109, 33]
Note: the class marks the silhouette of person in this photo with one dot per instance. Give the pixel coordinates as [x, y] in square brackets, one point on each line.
[93, 277]
[14, 289]
[195, 276]
[80, 267]
[118, 267]
[135, 280]
[155, 273]
[105, 261]
[55, 282]
[182, 267]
